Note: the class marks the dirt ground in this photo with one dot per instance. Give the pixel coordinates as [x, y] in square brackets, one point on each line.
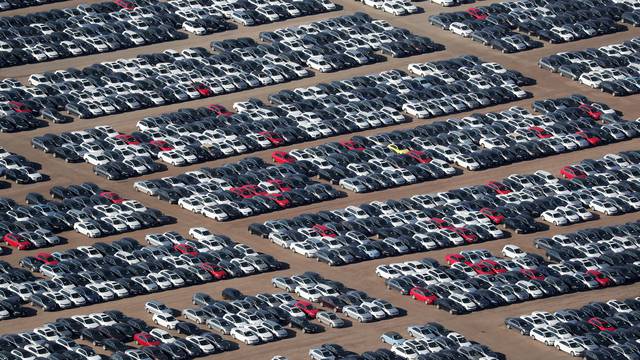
[484, 326]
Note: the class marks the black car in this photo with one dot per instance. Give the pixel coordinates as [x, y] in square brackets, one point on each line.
[304, 325]
[114, 345]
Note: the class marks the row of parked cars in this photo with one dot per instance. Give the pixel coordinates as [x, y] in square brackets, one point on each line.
[85, 208]
[614, 68]
[476, 279]
[433, 341]
[168, 77]
[102, 272]
[393, 7]
[347, 41]
[597, 330]
[201, 17]
[114, 155]
[426, 341]
[497, 32]
[18, 169]
[555, 21]
[88, 29]
[467, 215]
[245, 188]
[355, 304]
[115, 333]
[196, 135]
[18, 4]
[114, 25]
[476, 142]
[263, 318]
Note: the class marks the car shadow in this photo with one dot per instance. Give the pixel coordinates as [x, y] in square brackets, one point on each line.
[6, 250]
[28, 311]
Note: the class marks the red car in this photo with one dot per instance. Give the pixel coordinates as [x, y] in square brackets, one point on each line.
[540, 132]
[419, 156]
[282, 157]
[280, 185]
[455, 258]
[468, 236]
[130, 140]
[601, 278]
[255, 189]
[162, 145]
[482, 269]
[273, 138]
[324, 230]
[352, 145]
[591, 111]
[477, 14]
[185, 249]
[569, 172]
[424, 295]
[497, 268]
[19, 107]
[216, 271]
[145, 339]
[243, 192]
[16, 241]
[282, 201]
[493, 215]
[532, 274]
[601, 324]
[203, 89]
[125, 4]
[498, 187]
[592, 139]
[307, 308]
[219, 110]
[443, 224]
[111, 196]
[47, 258]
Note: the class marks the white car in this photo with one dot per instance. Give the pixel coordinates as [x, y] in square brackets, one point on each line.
[554, 217]
[543, 335]
[202, 343]
[304, 248]
[570, 346]
[165, 320]
[162, 335]
[357, 313]
[603, 206]
[387, 272]
[513, 251]
[201, 233]
[394, 8]
[245, 335]
[330, 318]
[461, 29]
[308, 293]
[445, 2]
[215, 213]
[319, 63]
[87, 229]
[194, 28]
[95, 159]
[466, 162]
[172, 157]
[321, 354]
